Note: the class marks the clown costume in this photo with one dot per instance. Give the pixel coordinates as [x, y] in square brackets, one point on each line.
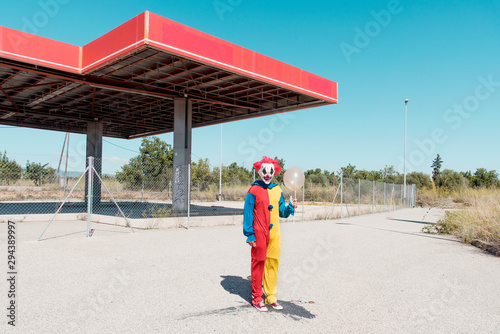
[264, 205]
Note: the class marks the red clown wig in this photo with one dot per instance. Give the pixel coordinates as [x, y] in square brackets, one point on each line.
[267, 160]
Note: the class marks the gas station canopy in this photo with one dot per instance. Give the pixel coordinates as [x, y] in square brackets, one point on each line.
[127, 80]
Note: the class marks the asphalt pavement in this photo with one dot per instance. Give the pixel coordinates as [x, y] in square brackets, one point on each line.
[375, 273]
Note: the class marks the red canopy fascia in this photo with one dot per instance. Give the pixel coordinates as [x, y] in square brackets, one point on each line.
[151, 30]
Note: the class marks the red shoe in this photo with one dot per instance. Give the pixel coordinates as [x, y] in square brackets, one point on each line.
[261, 307]
[276, 306]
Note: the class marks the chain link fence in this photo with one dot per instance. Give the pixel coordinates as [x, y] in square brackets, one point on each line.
[156, 196]
[355, 197]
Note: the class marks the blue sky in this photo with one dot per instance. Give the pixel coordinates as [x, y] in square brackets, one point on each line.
[443, 56]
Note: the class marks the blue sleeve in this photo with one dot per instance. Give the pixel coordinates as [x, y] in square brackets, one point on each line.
[248, 217]
[285, 210]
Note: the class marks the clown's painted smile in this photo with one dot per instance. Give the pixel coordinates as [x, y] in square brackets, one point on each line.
[266, 172]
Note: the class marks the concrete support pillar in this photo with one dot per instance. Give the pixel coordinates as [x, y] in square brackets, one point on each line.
[94, 149]
[182, 152]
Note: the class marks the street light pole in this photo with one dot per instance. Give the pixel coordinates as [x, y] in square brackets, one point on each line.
[404, 181]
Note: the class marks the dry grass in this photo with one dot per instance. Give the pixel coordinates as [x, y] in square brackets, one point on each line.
[477, 220]
[229, 193]
[438, 198]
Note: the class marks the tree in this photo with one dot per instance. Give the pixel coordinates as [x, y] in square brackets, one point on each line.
[390, 175]
[151, 169]
[421, 180]
[436, 170]
[279, 178]
[201, 174]
[451, 180]
[467, 175]
[156, 153]
[348, 171]
[316, 176]
[369, 175]
[483, 178]
[39, 173]
[237, 174]
[10, 171]
[329, 176]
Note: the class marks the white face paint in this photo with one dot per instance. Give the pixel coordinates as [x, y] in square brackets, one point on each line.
[266, 173]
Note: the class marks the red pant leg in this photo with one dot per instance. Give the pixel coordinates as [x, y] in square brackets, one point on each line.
[259, 253]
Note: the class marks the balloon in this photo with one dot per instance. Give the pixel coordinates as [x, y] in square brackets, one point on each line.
[294, 178]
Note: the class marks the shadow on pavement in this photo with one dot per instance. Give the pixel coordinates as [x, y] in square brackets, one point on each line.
[243, 287]
[238, 286]
[415, 234]
[411, 221]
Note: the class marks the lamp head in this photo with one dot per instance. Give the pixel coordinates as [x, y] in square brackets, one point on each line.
[406, 101]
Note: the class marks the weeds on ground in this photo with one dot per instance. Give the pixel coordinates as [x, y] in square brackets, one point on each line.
[438, 198]
[477, 217]
[157, 212]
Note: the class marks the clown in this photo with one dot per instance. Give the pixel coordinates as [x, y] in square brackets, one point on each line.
[264, 205]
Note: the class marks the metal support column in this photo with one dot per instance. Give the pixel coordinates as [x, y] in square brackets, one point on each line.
[182, 152]
[94, 150]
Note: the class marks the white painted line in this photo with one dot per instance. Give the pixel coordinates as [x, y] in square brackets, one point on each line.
[40, 60]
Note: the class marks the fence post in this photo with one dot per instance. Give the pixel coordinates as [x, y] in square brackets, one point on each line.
[303, 209]
[373, 197]
[359, 197]
[401, 196]
[409, 200]
[341, 194]
[392, 198]
[385, 209]
[414, 194]
[405, 199]
[411, 197]
[90, 190]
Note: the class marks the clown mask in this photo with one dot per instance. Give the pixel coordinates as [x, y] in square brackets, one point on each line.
[266, 172]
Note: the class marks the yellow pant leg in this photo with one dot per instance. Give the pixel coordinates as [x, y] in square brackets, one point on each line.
[270, 279]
